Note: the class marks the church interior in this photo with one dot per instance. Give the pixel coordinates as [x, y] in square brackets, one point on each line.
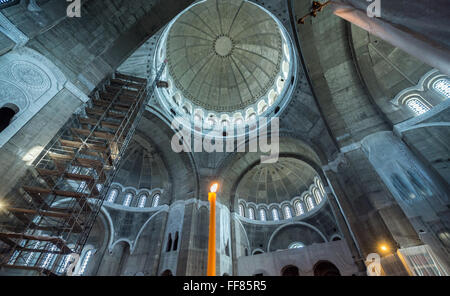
[116, 117]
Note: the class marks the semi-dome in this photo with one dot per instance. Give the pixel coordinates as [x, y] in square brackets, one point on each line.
[276, 183]
[226, 61]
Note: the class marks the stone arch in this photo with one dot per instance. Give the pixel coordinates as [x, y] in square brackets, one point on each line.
[29, 80]
[293, 224]
[335, 237]
[182, 170]
[326, 268]
[290, 270]
[231, 171]
[257, 251]
[167, 272]
[6, 116]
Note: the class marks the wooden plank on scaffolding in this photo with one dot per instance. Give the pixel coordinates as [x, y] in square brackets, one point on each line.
[97, 134]
[116, 106]
[103, 124]
[128, 77]
[99, 112]
[114, 150]
[84, 162]
[115, 90]
[43, 191]
[60, 160]
[76, 177]
[123, 99]
[126, 83]
[78, 144]
[58, 242]
[37, 195]
[95, 164]
[30, 268]
[61, 157]
[120, 103]
[90, 181]
[40, 213]
[36, 227]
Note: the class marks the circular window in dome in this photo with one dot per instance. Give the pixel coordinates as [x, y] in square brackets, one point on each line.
[224, 58]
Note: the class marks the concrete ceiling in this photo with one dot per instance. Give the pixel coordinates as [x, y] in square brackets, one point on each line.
[275, 183]
[224, 55]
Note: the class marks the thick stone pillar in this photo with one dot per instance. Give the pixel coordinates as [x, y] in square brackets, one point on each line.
[193, 254]
[422, 198]
[371, 213]
[343, 222]
[416, 27]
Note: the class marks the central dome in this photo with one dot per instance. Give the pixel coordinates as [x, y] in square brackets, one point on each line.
[224, 56]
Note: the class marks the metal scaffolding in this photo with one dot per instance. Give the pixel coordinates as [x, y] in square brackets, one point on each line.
[57, 208]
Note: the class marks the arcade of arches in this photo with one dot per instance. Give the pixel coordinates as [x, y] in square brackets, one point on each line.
[362, 166]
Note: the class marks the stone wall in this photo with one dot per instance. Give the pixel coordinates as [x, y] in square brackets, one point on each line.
[272, 264]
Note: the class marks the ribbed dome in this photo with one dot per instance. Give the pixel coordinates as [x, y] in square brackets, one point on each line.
[224, 55]
[275, 183]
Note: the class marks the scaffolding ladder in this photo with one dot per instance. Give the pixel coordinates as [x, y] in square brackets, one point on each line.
[56, 210]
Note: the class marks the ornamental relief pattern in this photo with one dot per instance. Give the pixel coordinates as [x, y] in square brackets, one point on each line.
[10, 93]
[29, 78]
[29, 81]
[22, 83]
[29, 75]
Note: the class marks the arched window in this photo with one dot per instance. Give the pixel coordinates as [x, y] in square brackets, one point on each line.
[167, 273]
[275, 215]
[290, 270]
[417, 105]
[128, 199]
[16, 254]
[320, 185]
[142, 201]
[442, 86]
[49, 258]
[296, 245]
[31, 255]
[299, 208]
[64, 264]
[326, 268]
[317, 196]
[112, 195]
[155, 200]
[99, 187]
[336, 238]
[262, 214]
[309, 202]
[251, 213]
[6, 115]
[175, 242]
[287, 212]
[169, 243]
[84, 263]
[75, 170]
[241, 210]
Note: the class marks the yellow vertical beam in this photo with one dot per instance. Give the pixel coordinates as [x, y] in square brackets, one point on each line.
[211, 270]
